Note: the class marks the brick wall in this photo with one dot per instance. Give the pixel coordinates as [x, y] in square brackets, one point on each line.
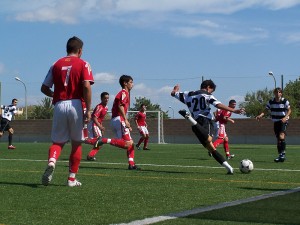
[247, 131]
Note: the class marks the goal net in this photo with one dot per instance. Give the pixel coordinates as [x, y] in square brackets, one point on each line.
[154, 121]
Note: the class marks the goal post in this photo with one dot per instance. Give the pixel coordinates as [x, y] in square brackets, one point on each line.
[154, 121]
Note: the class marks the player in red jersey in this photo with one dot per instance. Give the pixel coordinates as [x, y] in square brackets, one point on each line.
[120, 123]
[72, 79]
[97, 127]
[223, 116]
[140, 120]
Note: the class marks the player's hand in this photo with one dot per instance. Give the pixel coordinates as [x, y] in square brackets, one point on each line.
[87, 116]
[258, 118]
[127, 124]
[175, 89]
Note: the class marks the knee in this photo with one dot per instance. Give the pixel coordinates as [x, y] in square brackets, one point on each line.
[128, 144]
[11, 131]
[281, 137]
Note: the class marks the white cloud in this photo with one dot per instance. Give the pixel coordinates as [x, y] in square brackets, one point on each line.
[105, 78]
[72, 11]
[291, 38]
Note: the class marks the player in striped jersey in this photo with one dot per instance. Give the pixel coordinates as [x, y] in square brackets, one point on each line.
[200, 115]
[8, 113]
[280, 110]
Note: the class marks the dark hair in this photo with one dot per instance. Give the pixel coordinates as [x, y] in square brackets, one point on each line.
[232, 101]
[124, 78]
[142, 105]
[74, 44]
[278, 89]
[103, 94]
[14, 99]
[208, 83]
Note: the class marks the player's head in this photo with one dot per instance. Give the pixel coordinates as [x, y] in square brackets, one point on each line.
[232, 103]
[143, 107]
[14, 101]
[104, 97]
[126, 81]
[74, 46]
[209, 85]
[277, 90]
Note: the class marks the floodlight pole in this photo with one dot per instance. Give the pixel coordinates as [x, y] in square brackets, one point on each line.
[271, 74]
[18, 79]
[170, 107]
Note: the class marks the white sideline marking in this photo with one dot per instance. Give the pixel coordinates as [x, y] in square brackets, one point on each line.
[155, 165]
[172, 216]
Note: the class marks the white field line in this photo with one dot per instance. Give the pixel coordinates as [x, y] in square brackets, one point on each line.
[171, 216]
[154, 165]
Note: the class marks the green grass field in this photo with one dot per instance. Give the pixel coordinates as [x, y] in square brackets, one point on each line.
[173, 179]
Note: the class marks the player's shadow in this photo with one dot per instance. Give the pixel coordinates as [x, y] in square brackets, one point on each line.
[263, 189]
[33, 185]
[142, 170]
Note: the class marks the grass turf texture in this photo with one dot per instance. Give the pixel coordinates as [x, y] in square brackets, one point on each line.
[174, 178]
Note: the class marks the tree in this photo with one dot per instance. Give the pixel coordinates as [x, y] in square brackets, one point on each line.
[150, 107]
[255, 102]
[292, 93]
[44, 110]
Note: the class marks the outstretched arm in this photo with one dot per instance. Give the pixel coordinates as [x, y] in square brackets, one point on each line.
[175, 89]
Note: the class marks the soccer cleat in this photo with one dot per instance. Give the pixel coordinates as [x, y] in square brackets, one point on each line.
[138, 147]
[74, 183]
[48, 174]
[146, 149]
[230, 171]
[184, 113]
[133, 167]
[230, 157]
[94, 141]
[90, 158]
[11, 147]
[280, 158]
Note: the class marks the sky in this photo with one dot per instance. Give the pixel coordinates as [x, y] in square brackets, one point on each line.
[236, 43]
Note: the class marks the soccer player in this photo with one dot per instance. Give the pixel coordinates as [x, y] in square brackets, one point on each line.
[98, 116]
[223, 116]
[8, 113]
[72, 79]
[200, 115]
[280, 111]
[120, 123]
[140, 121]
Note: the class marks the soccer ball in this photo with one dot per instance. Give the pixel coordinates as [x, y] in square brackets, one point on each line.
[246, 166]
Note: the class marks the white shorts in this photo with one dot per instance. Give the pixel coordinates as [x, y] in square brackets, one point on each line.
[120, 129]
[93, 130]
[143, 130]
[67, 121]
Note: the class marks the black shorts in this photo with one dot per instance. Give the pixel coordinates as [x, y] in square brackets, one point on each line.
[4, 125]
[203, 129]
[280, 127]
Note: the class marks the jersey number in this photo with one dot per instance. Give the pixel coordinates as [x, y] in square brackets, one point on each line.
[199, 102]
[68, 69]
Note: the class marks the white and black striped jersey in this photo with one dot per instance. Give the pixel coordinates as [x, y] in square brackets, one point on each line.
[278, 109]
[8, 111]
[198, 102]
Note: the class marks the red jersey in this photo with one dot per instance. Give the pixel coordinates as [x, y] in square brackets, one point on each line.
[140, 117]
[221, 115]
[67, 75]
[122, 98]
[100, 112]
